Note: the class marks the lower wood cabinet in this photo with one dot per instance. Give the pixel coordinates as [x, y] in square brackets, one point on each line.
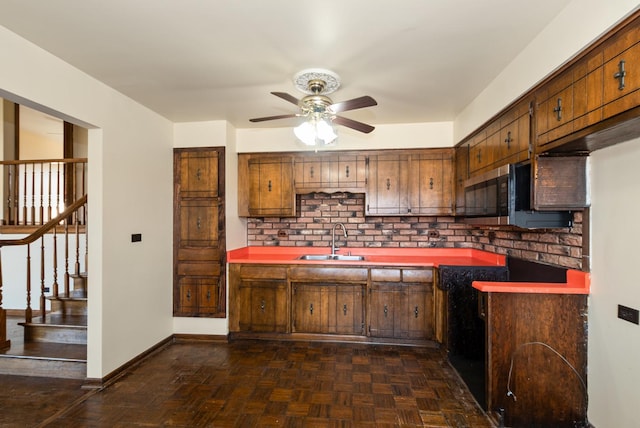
[401, 303]
[537, 350]
[389, 303]
[328, 308]
[259, 301]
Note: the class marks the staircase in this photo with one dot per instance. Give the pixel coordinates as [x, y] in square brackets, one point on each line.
[55, 346]
[53, 342]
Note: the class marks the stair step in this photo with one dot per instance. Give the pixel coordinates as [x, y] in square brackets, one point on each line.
[45, 359]
[68, 305]
[57, 328]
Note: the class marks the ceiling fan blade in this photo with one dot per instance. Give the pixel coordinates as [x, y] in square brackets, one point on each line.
[281, 116]
[287, 97]
[353, 124]
[353, 104]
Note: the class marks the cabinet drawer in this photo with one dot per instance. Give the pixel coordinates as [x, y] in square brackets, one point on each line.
[198, 254]
[263, 272]
[402, 275]
[199, 269]
[324, 274]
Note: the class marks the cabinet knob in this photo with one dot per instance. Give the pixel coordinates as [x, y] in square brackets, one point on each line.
[620, 74]
[269, 185]
[198, 223]
[388, 184]
[346, 171]
[198, 174]
[188, 295]
[508, 140]
[416, 312]
[208, 295]
[311, 172]
[344, 309]
[386, 311]
[262, 305]
[311, 308]
[431, 183]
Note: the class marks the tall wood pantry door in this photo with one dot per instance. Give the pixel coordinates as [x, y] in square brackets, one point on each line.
[199, 250]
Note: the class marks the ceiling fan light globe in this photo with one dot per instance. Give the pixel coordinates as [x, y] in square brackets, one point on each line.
[305, 132]
[326, 131]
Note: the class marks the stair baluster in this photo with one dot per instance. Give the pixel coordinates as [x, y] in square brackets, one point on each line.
[54, 286]
[4, 343]
[28, 316]
[43, 301]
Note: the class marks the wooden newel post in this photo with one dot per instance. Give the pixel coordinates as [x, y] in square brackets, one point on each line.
[4, 343]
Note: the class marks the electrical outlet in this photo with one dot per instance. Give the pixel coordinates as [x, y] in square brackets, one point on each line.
[628, 314]
[433, 234]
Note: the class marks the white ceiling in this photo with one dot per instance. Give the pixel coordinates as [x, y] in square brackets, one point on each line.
[195, 60]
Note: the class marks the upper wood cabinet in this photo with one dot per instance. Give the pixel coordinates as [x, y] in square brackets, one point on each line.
[595, 93]
[431, 183]
[410, 183]
[621, 71]
[402, 182]
[461, 175]
[199, 245]
[265, 186]
[330, 173]
[387, 184]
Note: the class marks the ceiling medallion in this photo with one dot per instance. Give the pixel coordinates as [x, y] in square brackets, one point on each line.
[301, 80]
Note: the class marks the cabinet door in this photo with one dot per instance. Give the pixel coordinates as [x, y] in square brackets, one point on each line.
[431, 190]
[347, 316]
[271, 186]
[198, 174]
[554, 113]
[622, 77]
[208, 295]
[311, 173]
[415, 320]
[461, 175]
[263, 306]
[199, 223]
[188, 295]
[351, 172]
[388, 185]
[381, 311]
[309, 306]
[515, 137]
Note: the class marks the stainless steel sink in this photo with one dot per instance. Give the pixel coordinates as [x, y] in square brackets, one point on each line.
[320, 257]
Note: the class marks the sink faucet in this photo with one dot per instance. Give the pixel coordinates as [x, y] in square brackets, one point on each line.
[334, 248]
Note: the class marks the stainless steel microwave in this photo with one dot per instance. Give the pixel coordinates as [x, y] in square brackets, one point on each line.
[503, 197]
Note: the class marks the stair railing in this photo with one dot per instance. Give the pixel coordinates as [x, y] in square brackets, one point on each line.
[35, 191]
[74, 216]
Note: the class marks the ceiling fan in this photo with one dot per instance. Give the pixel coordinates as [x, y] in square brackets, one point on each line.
[316, 106]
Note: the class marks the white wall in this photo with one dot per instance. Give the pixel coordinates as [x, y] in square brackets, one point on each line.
[614, 348]
[577, 25]
[614, 345]
[130, 284]
[398, 136]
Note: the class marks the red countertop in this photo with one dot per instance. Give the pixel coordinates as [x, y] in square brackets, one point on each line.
[577, 282]
[373, 256]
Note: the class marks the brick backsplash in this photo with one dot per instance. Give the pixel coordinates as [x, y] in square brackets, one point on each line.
[317, 212]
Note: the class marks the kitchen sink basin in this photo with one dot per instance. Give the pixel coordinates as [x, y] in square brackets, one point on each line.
[320, 257]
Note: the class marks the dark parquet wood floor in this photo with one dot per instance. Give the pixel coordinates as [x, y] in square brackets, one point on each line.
[256, 384]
